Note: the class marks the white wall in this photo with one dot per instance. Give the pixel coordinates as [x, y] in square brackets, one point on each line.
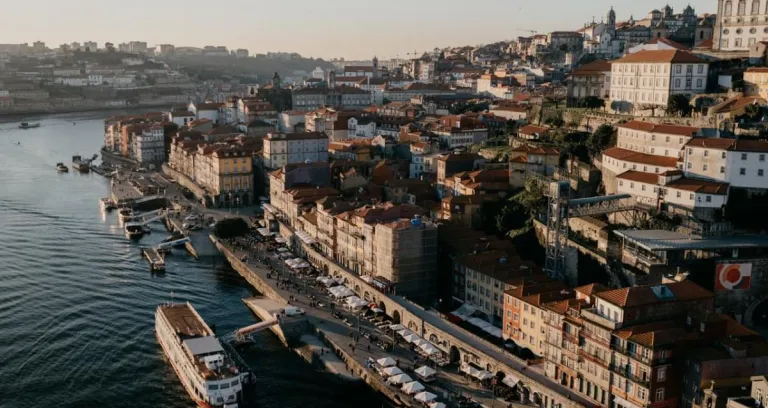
[651, 143]
[751, 166]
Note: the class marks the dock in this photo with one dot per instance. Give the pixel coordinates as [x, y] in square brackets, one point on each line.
[175, 225]
[155, 259]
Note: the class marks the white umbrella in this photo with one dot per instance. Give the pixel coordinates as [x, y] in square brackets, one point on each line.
[484, 375]
[386, 362]
[412, 387]
[411, 338]
[436, 405]
[404, 332]
[425, 371]
[390, 371]
[429, 349]
[425, 396]
[397, 327]
[399, 379]
[420, 343]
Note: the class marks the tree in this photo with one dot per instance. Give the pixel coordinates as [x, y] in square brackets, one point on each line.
[649, 106]
[385, 101]
[603, 137]
[592, 102]
[752, 112]
[678, 104]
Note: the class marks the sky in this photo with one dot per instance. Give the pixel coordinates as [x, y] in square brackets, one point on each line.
[352, 29]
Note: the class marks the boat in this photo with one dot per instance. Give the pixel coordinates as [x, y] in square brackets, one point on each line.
[81, 165]
[134, 230]
[125, 214]
[27, 125]
[209, 370]
[61, 168]
[107, 204]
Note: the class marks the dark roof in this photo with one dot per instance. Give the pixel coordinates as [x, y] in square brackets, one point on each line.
[730, 144]
[660, 128]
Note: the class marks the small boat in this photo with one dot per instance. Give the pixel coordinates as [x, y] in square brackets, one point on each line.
[107, 204]
[27, 125]
[61, 168]
[81, 165]
[134, 230]
[125, 214]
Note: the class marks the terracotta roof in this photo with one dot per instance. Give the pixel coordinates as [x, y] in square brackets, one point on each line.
[209, 106]
[738, 103]
[729, 144]
[353, 68]
[668, 42]
[531, 129]
[639, 176]
[537, 150]
[706, 44]
[661, 128]
[759, 70]
[699, 186]
[591, 289]
[644, 295]
[594, 67]
[640, 158]
[675, 56]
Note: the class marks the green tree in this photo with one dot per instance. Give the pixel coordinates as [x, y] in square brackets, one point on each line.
[752, 112]
[679, 104]
[592, 102]
[603, 137]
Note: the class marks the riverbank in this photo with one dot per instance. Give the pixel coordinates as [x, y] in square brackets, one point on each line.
[8, 115]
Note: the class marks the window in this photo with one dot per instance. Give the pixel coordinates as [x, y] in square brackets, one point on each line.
[760, 172]
[709, 199]
[722, 170]
[706, 153]
[621, 182]
[728, 9]
[525, 307]
[761, 157]
[742, 171]
[641, 393]
[678, 194]
[677, 82]
[722, 156]
[743, 157]
[517, 317]
[700, 69]
[642, 187]
[689, 165]
[704, 167]
[632, 185]
[678, 69]
[660, 394]
[690, 151]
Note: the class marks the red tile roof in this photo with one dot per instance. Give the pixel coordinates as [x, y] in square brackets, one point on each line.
[660, 128]
[531, 129]
[675, 56]
[729, 144]
[640, 158]
[644, 295]
[593, 68]
[699, 186]
[640, 177]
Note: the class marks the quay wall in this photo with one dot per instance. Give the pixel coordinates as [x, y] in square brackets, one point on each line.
[263, 287]
[113, 158]
[184, 181]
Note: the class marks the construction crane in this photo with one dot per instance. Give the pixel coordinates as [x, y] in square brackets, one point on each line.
[528, 31]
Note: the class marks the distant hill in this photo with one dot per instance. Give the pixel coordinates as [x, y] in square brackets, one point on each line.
[206, 68]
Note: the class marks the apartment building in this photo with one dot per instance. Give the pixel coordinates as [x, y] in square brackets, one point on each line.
[315, 175]
[523, 315]
[756, 82]
[593, 79]
[672, 188]
[461, 131]
[648, 78]
[655, 139]
[740, 24]
[342, 97]
[149, 146]
[281, 149]
[739, 163]
[524, 160]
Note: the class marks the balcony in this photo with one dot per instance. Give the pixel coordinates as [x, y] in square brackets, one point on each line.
[626, 373]
[593, 316]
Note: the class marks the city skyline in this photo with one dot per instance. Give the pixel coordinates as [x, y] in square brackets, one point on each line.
[349, 36]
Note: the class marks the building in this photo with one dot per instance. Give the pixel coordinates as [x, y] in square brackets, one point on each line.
[756, 82]
[460, 131]
[149, 146]
[593, 79]
[739, 25]
[342, 97]
[671, 189]
[566, 41]
[526, 160]
[281, 149]
[649, 78]
[740, 163]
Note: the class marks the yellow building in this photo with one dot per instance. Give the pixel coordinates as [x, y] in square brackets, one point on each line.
[756, 82]
[231, 175]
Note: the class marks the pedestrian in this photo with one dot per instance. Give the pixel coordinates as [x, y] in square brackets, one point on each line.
[369, 347]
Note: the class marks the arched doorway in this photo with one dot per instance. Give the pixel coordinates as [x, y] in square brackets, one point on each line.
[357, 288]
[455, 356]
[383, 307]
[433, 339]
[537, 399]
[412, 326]
[325, 269]
[366, 296]
[396, 317]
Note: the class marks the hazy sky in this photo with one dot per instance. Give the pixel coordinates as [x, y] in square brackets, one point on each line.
[331, 28]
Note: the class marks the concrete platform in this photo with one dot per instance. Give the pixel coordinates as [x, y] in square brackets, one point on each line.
[331, 362]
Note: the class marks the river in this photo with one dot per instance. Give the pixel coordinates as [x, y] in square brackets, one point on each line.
[77, 301]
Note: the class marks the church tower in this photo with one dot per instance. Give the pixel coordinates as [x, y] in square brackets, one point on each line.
[611, 21]
[276, 81]
[375, 67]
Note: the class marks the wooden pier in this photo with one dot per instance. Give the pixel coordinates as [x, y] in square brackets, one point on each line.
[155, 259]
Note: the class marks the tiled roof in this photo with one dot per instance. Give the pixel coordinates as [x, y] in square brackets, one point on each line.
[668, 42]
[639, 176]
[729, 144]
[644, 295]
[537, 150]
[738, 103]
[699, 186]
[591, 289]
[594, 67]
[661, 128]
[531, 129]
[650, 56]
[640, 158]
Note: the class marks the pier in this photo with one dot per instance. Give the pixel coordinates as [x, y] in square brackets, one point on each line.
[155, 259]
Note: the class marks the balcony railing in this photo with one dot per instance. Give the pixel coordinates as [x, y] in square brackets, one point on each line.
[626, 373]
[593, 316]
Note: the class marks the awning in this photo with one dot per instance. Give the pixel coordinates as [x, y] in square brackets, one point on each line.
[304, 237]
[265, 232]
[411, 338]
[430, 350]
[413, 387]
[425, 371]
[283, 249]
[477, 322]
[399, 379]
[510, 380]
[492, 330]
[464, 312]
[435, 404]
[390, 371]
[280, 240]
[386, 362]
[396, 327]
[425, 396]
[270, 208]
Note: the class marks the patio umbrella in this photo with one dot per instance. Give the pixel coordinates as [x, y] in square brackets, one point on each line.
[411, 337]
[425, 396]
[390, 371]
[386, 362]
[399, 379]
[425, 371]
[429, 349]
[436, 404]
[412, 387]
[397, 327]
[420, 343]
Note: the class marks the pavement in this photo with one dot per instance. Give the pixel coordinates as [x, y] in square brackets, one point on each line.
[348, 336]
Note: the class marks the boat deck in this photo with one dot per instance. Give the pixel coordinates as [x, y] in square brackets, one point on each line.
[185, 321]
[155, 259]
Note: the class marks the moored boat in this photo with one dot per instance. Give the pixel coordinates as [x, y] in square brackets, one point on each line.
[27, 125]
[124, 214]
[208, 369]
[61, 168]
[80, 164]
[107, 204]
[134, 230]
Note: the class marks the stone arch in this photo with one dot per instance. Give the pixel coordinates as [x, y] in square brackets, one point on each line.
[536, 399]
[749, 314]
[383, 307]
[433, 339]
[367, 296]
[396, 316]
[357, 288]
[325, 269]
[454, 355]
[525, 393]
[488, 367]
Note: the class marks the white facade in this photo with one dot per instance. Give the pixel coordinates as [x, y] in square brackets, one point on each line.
[181, 118]
[737, 166]
[676, 192]
[150, 145]
[659, 140]
[288, 120]
[740, 24]
[361, 128]
[650, 77]
[287, 148]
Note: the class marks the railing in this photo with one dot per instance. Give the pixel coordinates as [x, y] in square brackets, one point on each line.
[626, 373]
[591, 315]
